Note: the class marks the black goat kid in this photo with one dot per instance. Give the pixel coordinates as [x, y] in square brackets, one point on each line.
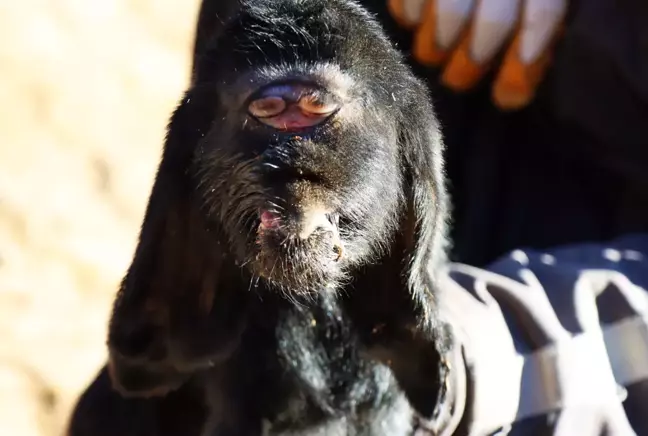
[284, 279]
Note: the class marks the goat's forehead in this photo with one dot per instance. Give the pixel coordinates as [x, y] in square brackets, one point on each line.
[321, 22]
[330, 42]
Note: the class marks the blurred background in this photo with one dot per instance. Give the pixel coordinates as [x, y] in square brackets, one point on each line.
[86, 89]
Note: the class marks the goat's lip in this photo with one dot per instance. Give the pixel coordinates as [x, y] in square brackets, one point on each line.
[269, 220]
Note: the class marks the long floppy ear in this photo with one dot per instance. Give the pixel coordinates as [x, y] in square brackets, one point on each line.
[177, 309]
[212, 18]
[401, 299]
[422, 365]
[428, 203]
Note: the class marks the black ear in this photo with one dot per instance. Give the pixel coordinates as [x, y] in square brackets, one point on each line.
[398, 299]
[428, 205]
[213, 16]
[177, 309]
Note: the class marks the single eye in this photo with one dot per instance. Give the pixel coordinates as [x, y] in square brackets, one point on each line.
[266, 107]
[313, 105]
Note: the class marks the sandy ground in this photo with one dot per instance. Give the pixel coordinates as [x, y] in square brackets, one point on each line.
[86, 88]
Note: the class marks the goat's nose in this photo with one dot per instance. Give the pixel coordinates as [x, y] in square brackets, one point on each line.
[292, 106]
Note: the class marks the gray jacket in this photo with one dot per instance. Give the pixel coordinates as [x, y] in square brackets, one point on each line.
[550, 343]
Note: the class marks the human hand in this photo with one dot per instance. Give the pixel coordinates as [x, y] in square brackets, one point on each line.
[465, 37]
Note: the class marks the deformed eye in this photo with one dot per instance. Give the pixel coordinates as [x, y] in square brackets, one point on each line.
[292, 106]
[266, 107]
[311, 104]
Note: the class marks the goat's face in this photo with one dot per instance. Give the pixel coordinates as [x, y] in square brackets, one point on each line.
[301, 165]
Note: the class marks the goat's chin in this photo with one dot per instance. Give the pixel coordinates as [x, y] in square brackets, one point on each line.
[297, 266]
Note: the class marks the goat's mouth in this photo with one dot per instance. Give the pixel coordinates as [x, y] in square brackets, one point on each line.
[302, 227]
[308, 229]
[298, 250]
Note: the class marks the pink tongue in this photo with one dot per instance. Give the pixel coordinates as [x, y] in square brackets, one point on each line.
[269, 220]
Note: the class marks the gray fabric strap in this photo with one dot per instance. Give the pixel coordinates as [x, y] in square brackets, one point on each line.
[627, 344]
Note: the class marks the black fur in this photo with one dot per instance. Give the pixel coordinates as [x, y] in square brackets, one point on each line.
[308, 345]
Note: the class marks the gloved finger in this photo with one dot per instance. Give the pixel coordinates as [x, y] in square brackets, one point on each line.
[492, 25]
[441, 26]
[407, 13]
[527, 59]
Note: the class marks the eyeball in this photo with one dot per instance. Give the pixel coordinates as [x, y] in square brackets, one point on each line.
[267, 107]
[314, 105]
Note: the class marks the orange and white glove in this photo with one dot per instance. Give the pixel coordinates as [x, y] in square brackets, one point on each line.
[464, 37]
